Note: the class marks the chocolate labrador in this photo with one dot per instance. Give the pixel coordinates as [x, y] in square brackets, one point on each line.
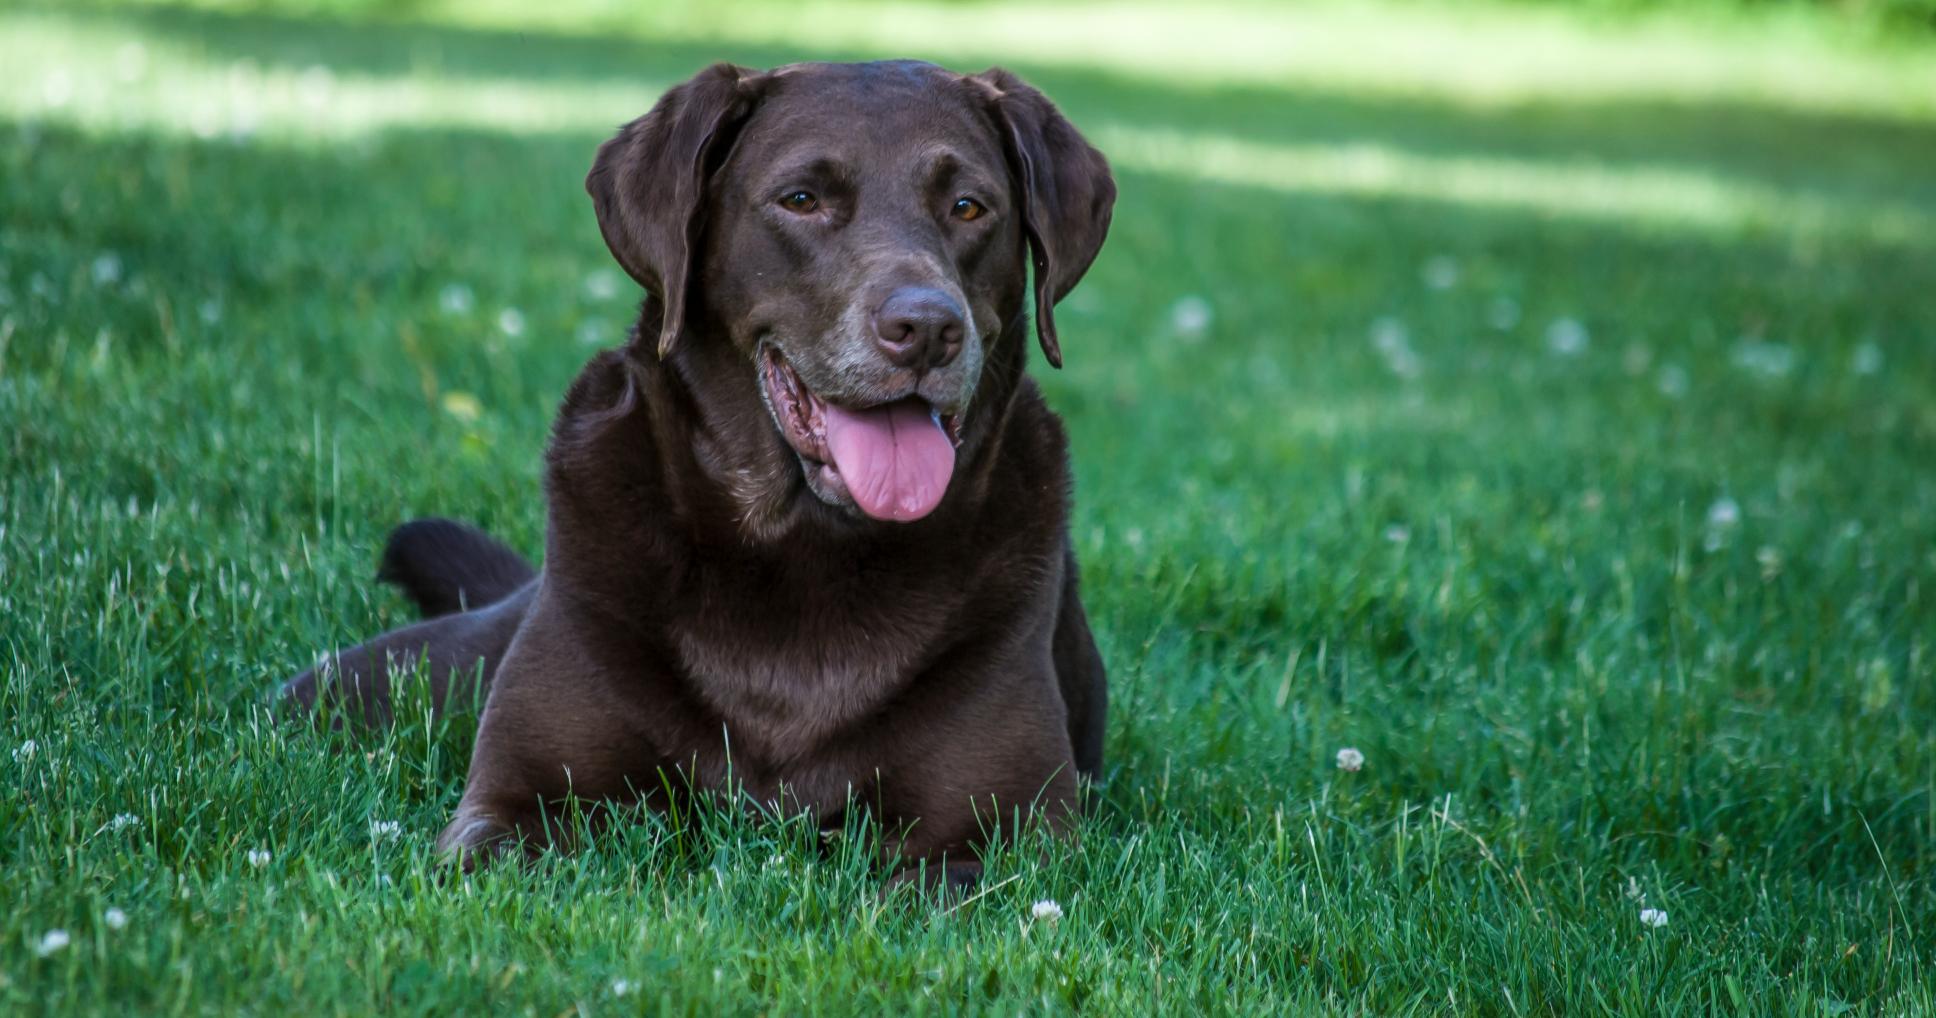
[808, 530]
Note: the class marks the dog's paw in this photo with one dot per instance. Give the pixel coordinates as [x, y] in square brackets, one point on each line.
[474, 839]
[951, 881]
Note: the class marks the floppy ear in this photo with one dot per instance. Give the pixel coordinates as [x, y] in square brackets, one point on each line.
[648, 183]
[1067, 193]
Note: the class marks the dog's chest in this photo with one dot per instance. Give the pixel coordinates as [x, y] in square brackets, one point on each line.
[790, 675]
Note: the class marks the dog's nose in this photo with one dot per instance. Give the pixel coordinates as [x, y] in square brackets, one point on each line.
[919, 327]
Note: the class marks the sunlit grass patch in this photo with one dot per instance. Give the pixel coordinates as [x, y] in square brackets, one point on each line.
[107, 75]
[1479, 53]
[1658, 196]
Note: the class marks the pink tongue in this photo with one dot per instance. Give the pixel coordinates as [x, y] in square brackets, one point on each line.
[895, 459]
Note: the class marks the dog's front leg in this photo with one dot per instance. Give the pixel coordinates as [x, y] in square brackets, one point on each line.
[561, 729]
[996, 762]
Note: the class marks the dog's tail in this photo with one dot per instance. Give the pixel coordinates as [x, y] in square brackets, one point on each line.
[446, 566]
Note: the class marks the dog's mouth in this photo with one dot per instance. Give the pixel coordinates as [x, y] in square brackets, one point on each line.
[890, 460]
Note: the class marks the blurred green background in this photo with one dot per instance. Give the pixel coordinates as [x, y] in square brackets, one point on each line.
[1537, 398]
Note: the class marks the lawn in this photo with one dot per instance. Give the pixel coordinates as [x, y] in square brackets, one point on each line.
[1540, 403]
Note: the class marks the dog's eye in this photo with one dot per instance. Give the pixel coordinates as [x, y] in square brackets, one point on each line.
[968, 209]
[801, 202]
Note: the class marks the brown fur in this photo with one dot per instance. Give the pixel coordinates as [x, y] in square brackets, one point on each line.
[708, 609]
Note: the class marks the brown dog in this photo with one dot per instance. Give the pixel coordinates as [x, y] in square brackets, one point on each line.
[809, 528]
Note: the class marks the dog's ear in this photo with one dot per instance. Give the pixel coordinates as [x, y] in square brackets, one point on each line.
[648, 183]
[1067, 193]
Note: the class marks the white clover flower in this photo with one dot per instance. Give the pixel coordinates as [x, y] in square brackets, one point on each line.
[51, 941]
[385, 829]
[1390, 338]
[1440, 272]
[106, 269]
[1398, 533]
[1566, 337]
[1349, 759]
[601, 285]
[456, 299]
[1046, 910]
[121, 822]
[1722, 517]
[621, 987]
[1190, 317]
[1672, 381]
[115, 918]
[510, 321]
[259, 857]
[1653, 917]
[1769, 360]
[26, 751]
[1867, 359]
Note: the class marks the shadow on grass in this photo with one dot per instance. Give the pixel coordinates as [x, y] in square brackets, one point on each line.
[1835, 156]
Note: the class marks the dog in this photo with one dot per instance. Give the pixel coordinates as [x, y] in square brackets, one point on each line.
[808, 529]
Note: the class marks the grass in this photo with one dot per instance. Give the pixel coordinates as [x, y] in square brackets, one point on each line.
[1567, 452]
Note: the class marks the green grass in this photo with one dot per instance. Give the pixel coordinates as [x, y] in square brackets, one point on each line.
[1570, 451]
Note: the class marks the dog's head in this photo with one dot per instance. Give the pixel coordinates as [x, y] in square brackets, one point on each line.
[861, 235]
